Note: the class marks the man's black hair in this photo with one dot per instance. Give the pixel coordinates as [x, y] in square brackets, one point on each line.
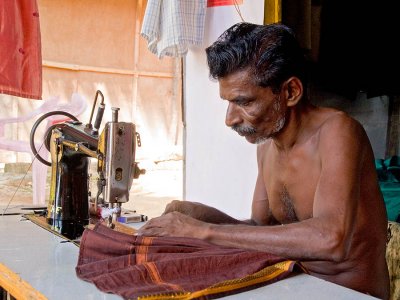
[270, 52]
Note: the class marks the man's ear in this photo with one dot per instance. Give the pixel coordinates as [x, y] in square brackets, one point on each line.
[293, 89]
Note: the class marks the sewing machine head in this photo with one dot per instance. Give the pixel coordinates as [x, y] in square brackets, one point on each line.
[72, 146]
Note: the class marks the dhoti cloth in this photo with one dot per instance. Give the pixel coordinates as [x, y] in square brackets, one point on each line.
[165, 267]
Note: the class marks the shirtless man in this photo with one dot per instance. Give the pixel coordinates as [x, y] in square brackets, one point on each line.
[316, 198]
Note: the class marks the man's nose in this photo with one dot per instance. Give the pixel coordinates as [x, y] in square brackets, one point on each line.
[232, 115]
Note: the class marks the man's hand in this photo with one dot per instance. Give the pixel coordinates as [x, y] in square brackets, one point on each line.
[192, 209]
[174, 224]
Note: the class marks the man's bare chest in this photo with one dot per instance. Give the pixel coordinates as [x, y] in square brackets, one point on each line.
[291, 185]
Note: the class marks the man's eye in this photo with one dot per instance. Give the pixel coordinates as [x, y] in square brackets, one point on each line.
[244, 103]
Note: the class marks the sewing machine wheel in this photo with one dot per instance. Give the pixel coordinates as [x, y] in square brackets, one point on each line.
[36, 125]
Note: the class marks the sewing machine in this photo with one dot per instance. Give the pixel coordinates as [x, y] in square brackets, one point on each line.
[76, 194]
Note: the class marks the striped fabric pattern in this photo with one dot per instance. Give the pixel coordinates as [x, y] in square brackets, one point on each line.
[139, 267]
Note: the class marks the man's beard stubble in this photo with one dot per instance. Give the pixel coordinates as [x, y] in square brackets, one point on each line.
[245, 130]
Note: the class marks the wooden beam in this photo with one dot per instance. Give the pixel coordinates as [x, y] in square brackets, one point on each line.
[75, 67]
[272, 11]
[136, 58]
[17, 287]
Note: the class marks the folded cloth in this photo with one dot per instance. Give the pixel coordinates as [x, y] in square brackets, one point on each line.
[20, 50]
[136, 267]
[170, 26]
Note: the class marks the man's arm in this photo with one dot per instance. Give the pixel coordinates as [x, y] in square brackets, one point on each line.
[202, 212]
[326, 235]
[260, 213]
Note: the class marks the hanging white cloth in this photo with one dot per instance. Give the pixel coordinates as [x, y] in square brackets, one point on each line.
[170, 26]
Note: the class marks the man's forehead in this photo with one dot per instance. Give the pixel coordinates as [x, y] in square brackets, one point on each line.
[235, 86]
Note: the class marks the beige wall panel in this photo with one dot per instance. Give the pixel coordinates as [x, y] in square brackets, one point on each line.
[158, 116]
[116, 88]
[117, 91]
[90, 32]
[24, 129]
[61, 83]
[150, 62]
[16, 107]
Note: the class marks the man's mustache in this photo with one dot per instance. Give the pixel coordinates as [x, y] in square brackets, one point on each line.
[243, 130]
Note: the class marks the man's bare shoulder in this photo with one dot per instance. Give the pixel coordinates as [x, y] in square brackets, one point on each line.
[338, 124]
[326, 129]
[340, 134]
[332, 116]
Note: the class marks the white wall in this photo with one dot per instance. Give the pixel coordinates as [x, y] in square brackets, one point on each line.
[221, 166]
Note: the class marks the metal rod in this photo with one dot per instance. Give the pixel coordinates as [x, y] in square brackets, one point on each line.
[94, 106]
[79, 147]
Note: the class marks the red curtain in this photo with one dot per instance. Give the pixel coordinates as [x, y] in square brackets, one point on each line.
[20, 49]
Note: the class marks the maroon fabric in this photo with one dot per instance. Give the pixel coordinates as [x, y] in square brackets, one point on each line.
[133, 266]
[20, 49]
